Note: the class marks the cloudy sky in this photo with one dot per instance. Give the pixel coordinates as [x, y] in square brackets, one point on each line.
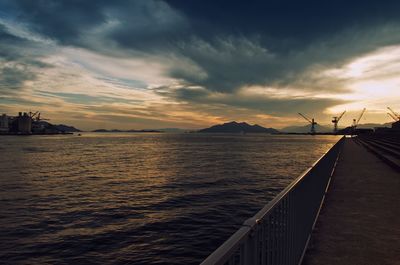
[176, 63]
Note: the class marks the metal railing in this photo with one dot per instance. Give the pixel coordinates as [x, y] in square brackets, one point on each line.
[279, 233]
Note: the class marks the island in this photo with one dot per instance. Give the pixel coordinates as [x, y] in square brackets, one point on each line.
[125, 131]
[238, 127]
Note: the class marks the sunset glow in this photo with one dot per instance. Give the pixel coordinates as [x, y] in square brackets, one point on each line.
[94, 78]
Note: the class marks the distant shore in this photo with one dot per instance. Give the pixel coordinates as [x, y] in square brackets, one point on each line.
[126, 131]
[31, 134]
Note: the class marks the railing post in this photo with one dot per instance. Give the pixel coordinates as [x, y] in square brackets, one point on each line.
[250, 249]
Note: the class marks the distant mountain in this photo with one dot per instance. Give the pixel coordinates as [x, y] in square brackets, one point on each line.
[144, 131]
[173, 130]
[100, 130]
[306, 129]
[373, 125]
[66, 128]
[238, 127]
[47, 127]
[120, 131]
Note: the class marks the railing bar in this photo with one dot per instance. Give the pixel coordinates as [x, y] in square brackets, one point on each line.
[279, 233]
[264, 244]
[292, 223]
[283, 233]
[273, 254]
[290, 219]
[276, 236]
[269, 241]
[242, 255]
[296, 182]
[286, 234]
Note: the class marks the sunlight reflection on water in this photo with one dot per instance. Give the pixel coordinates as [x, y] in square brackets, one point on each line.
[138, 198]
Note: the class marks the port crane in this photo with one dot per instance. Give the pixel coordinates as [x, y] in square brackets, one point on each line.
[311, 121]
[335, 121]
[32, 115]
[36, 116]
[356, 121]
[393, 117]
[393, 114]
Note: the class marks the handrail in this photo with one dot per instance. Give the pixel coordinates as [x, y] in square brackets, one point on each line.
[275, 235]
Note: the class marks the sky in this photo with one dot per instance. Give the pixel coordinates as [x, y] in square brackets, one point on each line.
[145, 64]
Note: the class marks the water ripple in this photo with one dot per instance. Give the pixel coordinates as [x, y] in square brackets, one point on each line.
[138, 198]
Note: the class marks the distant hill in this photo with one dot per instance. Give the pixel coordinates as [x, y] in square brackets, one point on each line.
[66, 128]
[237, 127]
[173, 130]
[306, 129]
[144, 131]
[120, 131]
[373, 125]
[44, 126]
[104, 130]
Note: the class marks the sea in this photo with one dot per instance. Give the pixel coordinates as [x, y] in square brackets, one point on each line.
[138, 198]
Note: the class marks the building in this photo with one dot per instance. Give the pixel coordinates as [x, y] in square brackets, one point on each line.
[4, 123]
[24, 123]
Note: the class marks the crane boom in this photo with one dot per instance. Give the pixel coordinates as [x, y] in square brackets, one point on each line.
[359, 118]
[393, 117]
[335, 121]
[32, 115]
[307, 119]
[312, 122]
[394, 113]
[341, 115]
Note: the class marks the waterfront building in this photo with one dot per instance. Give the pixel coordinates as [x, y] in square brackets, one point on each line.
[4, 123]
[24, 123]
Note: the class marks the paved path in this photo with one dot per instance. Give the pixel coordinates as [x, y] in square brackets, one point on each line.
[360, 221]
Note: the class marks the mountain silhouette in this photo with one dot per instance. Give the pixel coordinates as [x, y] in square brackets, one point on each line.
[237, 127]
[66, 128]
[124, 131]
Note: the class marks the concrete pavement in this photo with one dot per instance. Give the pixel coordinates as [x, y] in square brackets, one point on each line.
[360, 221]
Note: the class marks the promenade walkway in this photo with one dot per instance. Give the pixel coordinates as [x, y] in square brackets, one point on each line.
[360, 221]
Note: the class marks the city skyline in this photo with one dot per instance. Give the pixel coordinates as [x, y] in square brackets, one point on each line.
[160, 64]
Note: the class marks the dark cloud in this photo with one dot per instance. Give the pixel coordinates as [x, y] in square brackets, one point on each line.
[230, 63]
[61, 20]
[219, 46]
[291, 22]
[135, 24]
[260, 103]
[230, 43]
[7, 37]
[282, 25]
[19, 58]
[148, 25]
[10, 45]
[13, 77]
